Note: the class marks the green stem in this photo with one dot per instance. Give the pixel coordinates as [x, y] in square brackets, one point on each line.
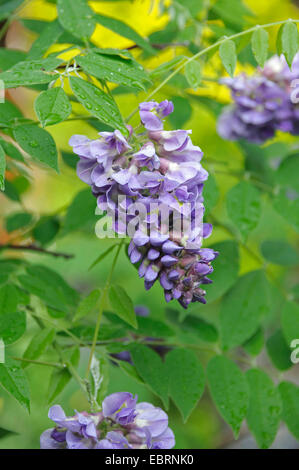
[101, 308]
[204, 51]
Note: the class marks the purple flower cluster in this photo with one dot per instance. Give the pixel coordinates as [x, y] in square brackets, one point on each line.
[262, 103]
[161, 172]
[121, 424]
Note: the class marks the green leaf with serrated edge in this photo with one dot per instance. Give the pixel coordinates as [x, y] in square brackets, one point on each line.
[80, 212]
[2, 168]
[260, 45]
[279, 252]
[38, 143]
[255, 344]
[10, 57]
[8, 113]
[289, 394]
[17, 221]
[76, 17]
[242, 309]
[152, 370]
[229, 391]
[38, 345]
[186, 379]
[87, 305]
[228, 56]
[14, 381]
[193, 74]
[52, 106]
[289, 41]
[265, 407]
[279, 351]
[113, 69]
[6, 433]
[61, 377]
[226, 269]
[121, 28]
[102, 256]
[290, 321]
[243, 204]
[34, 72]
[122, 305]
[98, 103]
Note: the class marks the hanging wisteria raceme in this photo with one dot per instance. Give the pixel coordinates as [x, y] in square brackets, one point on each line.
[121, 424]
[158, 174]
[262, 103]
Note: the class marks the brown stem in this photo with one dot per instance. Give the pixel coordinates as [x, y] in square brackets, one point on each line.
[36, 249]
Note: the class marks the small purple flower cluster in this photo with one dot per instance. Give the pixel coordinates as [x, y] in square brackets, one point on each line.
[263, 103]
[161, 169]
[121, 424]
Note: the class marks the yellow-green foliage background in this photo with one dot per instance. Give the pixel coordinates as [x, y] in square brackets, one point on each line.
[51, 192]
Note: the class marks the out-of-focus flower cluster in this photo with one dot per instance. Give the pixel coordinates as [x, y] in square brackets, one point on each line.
[158, 174]
[262, 103]
[121, 424]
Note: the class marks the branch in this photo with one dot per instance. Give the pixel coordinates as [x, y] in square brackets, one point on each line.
[36, 249]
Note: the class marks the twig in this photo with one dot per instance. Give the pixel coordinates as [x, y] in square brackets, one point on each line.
[39, 363]
[36, 249]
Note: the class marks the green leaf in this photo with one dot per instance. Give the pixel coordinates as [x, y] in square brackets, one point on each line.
[80, 213]
[52, 106]
[286, 174]
[290, 321]
[10, 57]
[242, 309]
[32, 72]
[264, 408]
[9, 6]
[6, 433]
[287, 205]
[200, 329]
[122, 305]
[114, 69]
[260, 45]
[228, 56]
[12, 151]
[98, 103]
[14, 381]
[183, 112]
[289, 394]
[130, 371]
[38, 143]
[152, 370]
[87, 305]
[289, 41]
[255, 344]
[154, 328]
[279, 351]
[61, 377]
[76, 17]
[38, 345]
[193, 74]
[279, 40]
[186, 379]
[46, 229]
[121, 28]
[17, 221]
[12, 327]
[229, 391]
[8, 113]
[103, 256]
[49, 35]
[226, 268]
[2, 168]
[70, 159]
[244, 207]
[279, 252]
[210, 193]
[12, 192]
